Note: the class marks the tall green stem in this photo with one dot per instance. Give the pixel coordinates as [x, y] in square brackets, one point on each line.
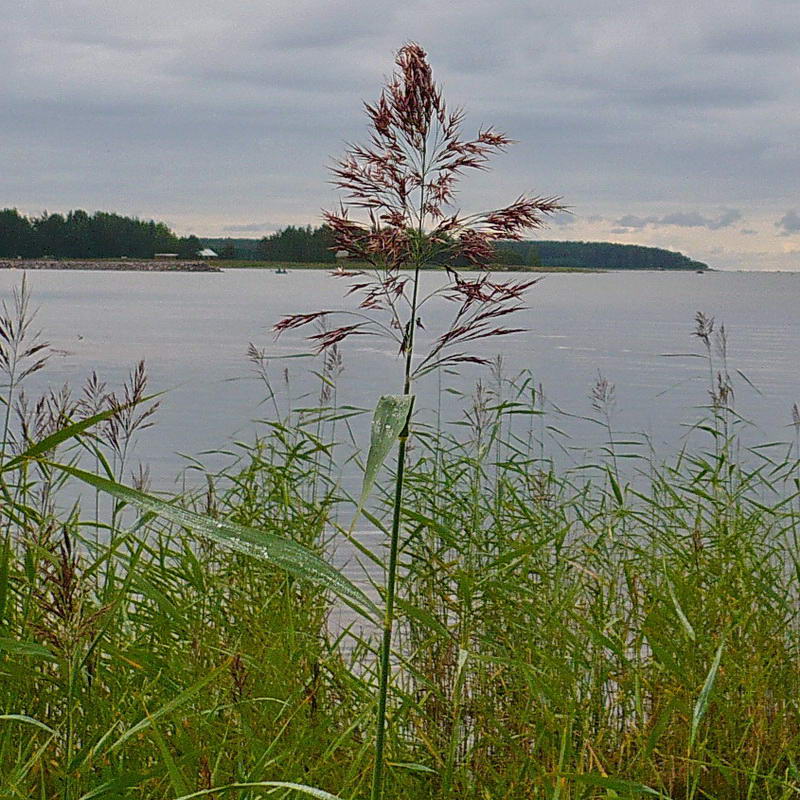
[394, 544]
[388, 623]
[8, 403]
[391, 576]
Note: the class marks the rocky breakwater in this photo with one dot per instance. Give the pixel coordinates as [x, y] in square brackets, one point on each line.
[120, 265]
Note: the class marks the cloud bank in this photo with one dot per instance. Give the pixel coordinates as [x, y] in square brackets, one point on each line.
[680, 219]
[214, 115]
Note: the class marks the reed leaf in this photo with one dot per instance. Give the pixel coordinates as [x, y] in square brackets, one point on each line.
[701, 706]
[629, 788]
[296, 559]
[26, 720]
[297, 787]
[388, 421]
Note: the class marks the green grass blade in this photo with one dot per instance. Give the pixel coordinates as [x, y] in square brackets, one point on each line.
[701, 706]
[5, 563]
[297, 560]
[175, 778]
[616, 488]
[390, 417]
[411, 767]
[627, 788]
[67, 432]
[687, 626]
[114, 788]
[18, 647]
[167, 708]
[297, 787]
[26, 720]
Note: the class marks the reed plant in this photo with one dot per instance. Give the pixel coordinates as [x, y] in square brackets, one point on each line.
[405, 181]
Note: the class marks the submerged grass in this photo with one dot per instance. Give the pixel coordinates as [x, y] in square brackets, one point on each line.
[600, 632]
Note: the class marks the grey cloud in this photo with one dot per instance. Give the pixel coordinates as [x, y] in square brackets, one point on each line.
[333, 23]
[251, 227]
[705, 94]
[759, 39]
[563, 219]
[726, 219]
[680, 219]
[631, 221]
[694, 220]
[789, 223]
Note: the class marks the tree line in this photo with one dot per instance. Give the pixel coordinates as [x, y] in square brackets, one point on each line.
[304, 244]
[307, 244]
[595, 255]
[79, 234]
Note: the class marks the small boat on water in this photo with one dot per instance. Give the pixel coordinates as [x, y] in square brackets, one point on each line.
[281, 271]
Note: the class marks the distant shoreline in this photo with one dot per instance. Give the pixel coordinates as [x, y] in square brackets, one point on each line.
[356, 267]
[223, 265]
[111, 265]
[157, 265]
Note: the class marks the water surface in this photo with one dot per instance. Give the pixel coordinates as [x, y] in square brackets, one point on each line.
[193, 331]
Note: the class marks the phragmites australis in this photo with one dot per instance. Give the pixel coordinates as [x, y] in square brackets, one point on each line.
[402, 186]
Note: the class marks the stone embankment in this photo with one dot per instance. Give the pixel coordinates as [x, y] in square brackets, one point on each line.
[122, 265]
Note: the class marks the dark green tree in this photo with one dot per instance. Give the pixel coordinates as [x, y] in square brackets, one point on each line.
[16, 234]
[228, 250]
[189, 247]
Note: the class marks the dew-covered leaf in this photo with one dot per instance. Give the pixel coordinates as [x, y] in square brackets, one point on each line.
[281, 551]
[388, 421]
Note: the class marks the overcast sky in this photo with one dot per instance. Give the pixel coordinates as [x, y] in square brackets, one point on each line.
[673, 124]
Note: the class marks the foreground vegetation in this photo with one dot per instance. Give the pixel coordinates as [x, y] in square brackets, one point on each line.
[595, 632]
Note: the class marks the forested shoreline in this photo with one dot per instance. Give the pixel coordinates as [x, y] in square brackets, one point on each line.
[298, 244]
[80, 235]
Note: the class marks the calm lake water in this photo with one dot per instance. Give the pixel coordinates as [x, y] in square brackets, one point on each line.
[193, 331]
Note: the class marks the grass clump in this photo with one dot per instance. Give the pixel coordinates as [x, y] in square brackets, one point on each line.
[560, 633]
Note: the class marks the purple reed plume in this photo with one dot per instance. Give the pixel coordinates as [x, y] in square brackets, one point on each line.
[402, 184]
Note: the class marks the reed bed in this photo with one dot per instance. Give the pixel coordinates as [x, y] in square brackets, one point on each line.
[628, 628]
